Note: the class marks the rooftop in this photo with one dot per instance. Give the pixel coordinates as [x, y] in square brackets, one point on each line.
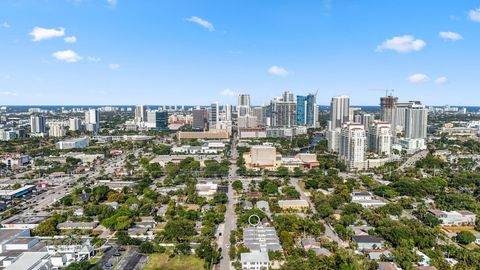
[254, 256]
[367, 239]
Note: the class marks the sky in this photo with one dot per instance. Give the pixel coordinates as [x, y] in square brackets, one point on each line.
[114, 52]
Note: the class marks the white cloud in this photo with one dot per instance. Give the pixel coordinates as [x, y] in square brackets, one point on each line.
[68, 56]
[418, 78]
[114, 66]
[474, 15]
[39, 33]
[450, 35]
[203, 23]
[279, 71]
[402, 44]
[112, 3]
[228, 92]
[93, 59]
[70, 39]
[441, 80]
[4, 25]
[8, 93]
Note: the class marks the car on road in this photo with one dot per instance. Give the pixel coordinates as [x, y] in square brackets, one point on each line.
[121, 249]
[108, 266]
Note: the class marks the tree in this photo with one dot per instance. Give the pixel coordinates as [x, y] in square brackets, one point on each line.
[237, 185]
[146, 247]
[182, 248]
[179, 229]
[282, 171]
[290, 192]
[220, 197]
[465, 237]
[324, 210]
[287, 240]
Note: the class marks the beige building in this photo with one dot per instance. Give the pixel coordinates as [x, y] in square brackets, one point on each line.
[293, 204]
[262, 157]
[206, 135]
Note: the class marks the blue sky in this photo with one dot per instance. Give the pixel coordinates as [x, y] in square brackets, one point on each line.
[195, 52]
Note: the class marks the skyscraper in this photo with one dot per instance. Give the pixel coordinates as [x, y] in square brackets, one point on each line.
[400, 113]
[140, 114]
[247, 121]
[74, 124]
[258, 112]
[388, 111]
[284, 111]
[228, 112]
[92, 120]
[352, 145]
[380, 138]
[307, 110]
[213, 116]
[37, 124]
[200, 119]
[416, 122]
[157, 119]
[367, 120]
[56, 130]
[243, 106]
[339, 111]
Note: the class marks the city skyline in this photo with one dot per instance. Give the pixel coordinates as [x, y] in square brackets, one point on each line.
[176, 50]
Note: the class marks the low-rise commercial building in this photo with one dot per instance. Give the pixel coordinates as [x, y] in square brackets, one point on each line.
[293, 204]
[206, 135]
[77, 143]
[10, 194]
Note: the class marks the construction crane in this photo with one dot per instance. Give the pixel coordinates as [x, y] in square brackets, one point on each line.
[388, 92]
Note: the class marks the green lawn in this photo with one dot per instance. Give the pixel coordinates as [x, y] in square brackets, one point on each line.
[179, 262]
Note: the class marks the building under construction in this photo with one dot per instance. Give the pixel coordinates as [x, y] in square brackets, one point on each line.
[389, 107]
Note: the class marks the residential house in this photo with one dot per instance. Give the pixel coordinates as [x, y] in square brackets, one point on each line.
[255, 260]
[368, 242]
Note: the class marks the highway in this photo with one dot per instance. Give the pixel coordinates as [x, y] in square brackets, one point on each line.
[413, 159]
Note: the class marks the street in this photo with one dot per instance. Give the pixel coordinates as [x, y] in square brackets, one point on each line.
[329, 232]
[230, 216]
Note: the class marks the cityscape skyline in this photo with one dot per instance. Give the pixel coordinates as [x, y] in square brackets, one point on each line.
[53, 56]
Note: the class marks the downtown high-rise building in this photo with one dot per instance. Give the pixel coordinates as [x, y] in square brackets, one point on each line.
[227, 112]
[56, 130]
[140, 114]
[247, 121]
[416, 122]
[367, 120]
[213, 115]
[37, 124]
[157, 120]
[92, 120]
[380, 138]
[401, 112]
[283, 111]
[352, 146]
[307, 111]
[74, 124]
[200, 119]
[388, 111]
[243, 105]
[339, 111]
[258, 113]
